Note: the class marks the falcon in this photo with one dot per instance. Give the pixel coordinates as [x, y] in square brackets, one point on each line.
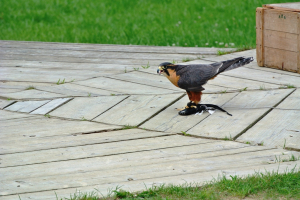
[192, 78]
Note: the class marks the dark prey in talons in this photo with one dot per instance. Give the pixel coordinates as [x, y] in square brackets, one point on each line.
[192, 77]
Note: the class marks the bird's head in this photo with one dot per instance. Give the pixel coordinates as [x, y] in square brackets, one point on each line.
[162, 68]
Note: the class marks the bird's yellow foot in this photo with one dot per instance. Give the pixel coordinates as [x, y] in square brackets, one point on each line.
[191, 108]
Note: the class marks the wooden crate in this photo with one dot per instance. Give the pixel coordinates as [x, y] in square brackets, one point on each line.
[277, 36]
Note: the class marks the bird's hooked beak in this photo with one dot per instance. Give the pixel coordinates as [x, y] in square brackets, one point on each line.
[160, 70]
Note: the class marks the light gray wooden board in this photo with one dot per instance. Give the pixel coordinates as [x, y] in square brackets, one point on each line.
[94, 150]
[48, 75]
[221, 125]
[93, 54]
[264, 76]
[26, 106]
[159, 81]
[136, 109]
[169, 119]
[114, 48]
[42, 127]
[4, 103]
[32, 94]
[70, 59]
[27, 144]
[123, 87]
[196, 179]
[6, 115]
[51, 105]
[205, 148]
[114, 68]
[254, 65]
[87, 107]
[239, 83]
[280, 128]
[158, 170]
[74, 90]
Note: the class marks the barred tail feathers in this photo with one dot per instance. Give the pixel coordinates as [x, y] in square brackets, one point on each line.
[234, 63]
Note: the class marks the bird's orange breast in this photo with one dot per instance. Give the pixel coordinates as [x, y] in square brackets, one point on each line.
[173, 77]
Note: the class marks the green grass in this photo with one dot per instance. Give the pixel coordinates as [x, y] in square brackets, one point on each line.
[269, 185]
[157, 22]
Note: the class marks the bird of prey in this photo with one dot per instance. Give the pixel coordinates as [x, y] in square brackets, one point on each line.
[192, 77]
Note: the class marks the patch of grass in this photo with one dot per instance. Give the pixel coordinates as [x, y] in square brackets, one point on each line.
[243, 89]
[187, 59]
[174, 62]
[47, 115]
[128, 127]
[8, 99]
[223, 91]
[112, 94]
[188, 23]
[83, 119]
[248, 142]
[60, 82]
[136, 68]
[184, 133]
[268, 185]
[262, 87]
[147, 66]
[89, 94]
[286, 86]
[125, 70]
[30, 87]
[228, 138]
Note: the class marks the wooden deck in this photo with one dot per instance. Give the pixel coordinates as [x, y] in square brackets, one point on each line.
[66, 111]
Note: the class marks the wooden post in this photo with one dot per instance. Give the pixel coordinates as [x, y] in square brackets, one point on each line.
[298, 55]
[259, 36]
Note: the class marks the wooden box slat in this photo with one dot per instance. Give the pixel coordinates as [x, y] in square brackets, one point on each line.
[277, 36]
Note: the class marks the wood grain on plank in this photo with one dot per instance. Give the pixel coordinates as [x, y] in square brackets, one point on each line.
[51, 105]
[26, 106]
[111, 48]
[204, 148]
[281, 59]
[25, 144]
[136, 109]
[280, 128]
[279, 20]
[95, 150]
[86, 108]
[41, 126]
[264, 76]
[122, 87]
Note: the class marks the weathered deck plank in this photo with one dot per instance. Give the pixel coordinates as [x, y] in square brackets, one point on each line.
[280, 128]
[73, 90]
[26, 106]
[122, 87]
[32, 95]
[205, 148]
[94, 150]
[109, 48]
[220, 125]
[43, 127]
[27, 144]
[136, 109]
[86, 108]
